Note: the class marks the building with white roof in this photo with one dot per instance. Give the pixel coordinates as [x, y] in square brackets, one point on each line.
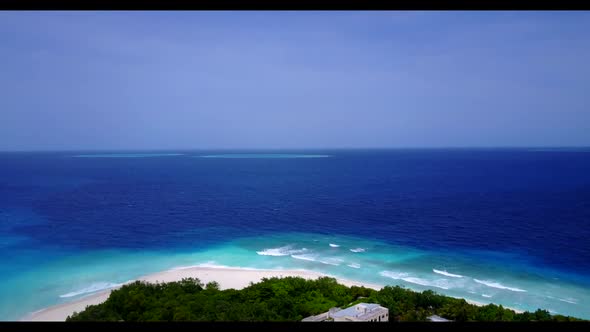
[362, 312]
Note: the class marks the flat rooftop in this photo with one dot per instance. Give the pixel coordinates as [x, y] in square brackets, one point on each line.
[353, 312]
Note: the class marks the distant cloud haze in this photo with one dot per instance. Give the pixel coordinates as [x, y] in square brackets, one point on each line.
[179, 80]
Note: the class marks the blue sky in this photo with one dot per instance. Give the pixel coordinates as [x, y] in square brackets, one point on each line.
[177, 80]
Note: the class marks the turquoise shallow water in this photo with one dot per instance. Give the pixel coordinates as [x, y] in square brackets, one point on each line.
[73, 277]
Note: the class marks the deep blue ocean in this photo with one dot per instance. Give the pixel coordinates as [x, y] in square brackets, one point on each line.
[508, 226]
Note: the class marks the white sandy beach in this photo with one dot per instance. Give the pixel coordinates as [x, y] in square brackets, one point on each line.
[236, 278]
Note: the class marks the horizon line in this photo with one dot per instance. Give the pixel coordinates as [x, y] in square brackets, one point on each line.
[302, 148]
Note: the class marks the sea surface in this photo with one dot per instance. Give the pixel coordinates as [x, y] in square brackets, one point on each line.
[505, 226]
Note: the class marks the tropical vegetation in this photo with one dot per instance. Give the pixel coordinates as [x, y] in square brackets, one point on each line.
[285, 299]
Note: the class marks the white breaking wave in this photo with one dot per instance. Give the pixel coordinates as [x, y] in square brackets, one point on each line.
[214, 265]
[334, 245]
[445, 273]
[282, 251]
[211, 264]
[498, 285]
[439, 283]
[354, 265]
[314, 258]
[569, 300]
[393, 275]
[304, 257]
[331, 261]
[96, 287]
[486, 295]
[183, 267]
[358, 250]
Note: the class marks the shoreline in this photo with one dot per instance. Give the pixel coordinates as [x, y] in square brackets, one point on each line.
[227, 277]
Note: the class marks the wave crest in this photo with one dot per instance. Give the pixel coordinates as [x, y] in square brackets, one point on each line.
[281, 251]
[93, 288]
[315, 258]
[569, 300]
[498, 285]
[445, 273]
[438, 283]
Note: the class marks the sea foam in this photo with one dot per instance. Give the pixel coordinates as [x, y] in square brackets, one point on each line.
[214, 265]
[358, 250]
[281, 251]
[569, 300]
[331, 261]
[310, 258]
[93, 288]
[394, 275]
[316, 258]
[498, 285]
[439, 283]
[334, 245]
[445, 273]
[209, 264]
